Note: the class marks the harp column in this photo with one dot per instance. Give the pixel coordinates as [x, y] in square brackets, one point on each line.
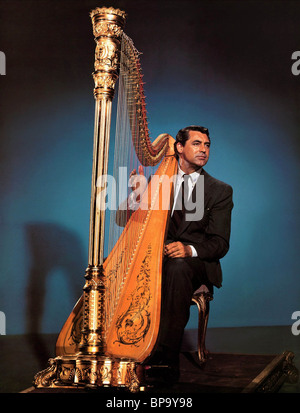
[108, 26]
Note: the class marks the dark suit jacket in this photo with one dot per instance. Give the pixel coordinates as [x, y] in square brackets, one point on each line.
[210, 235]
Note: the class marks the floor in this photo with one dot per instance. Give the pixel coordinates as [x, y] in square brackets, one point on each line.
[21, 357]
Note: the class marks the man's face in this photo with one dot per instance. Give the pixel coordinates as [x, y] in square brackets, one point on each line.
[195, 153]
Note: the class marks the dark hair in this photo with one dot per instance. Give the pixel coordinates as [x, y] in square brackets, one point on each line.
[183, 135]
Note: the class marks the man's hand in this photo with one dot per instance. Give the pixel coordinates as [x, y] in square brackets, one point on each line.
[134, 177]
[178, 250]
[138, 182]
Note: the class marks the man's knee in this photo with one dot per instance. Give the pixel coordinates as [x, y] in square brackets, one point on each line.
[184, 270]
[176, 266]
[178, 274]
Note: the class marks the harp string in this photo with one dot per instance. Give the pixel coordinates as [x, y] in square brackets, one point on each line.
[128, 156]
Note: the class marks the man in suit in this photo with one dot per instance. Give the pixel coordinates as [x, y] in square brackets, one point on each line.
[194, 248]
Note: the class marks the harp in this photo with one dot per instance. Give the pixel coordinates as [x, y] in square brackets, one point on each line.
[114, 325]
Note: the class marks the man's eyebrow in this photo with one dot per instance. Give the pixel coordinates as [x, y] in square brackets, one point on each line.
[200, 141]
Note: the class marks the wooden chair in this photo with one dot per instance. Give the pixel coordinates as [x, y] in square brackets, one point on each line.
[201, 298]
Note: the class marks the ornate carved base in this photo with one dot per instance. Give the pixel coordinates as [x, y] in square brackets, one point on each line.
[280, 370]
[90, 371]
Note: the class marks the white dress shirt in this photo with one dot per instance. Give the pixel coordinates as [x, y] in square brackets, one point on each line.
[191, 183]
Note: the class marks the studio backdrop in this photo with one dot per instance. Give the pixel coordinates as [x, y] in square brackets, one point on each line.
[226, 65]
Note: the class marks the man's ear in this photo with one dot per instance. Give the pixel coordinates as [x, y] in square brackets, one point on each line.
[179, 147]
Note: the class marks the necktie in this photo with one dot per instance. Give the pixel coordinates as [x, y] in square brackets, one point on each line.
[179, 209]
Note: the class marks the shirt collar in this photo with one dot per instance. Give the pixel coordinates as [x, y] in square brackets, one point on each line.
[193, 175]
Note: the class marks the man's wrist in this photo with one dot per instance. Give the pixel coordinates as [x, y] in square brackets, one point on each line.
[193, 251]
[188, 251]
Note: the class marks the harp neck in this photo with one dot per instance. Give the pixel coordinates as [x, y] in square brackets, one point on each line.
[107, 28]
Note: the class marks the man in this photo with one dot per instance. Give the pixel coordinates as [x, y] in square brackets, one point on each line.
[193, 248]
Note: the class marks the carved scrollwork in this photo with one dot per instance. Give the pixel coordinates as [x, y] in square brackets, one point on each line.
[67, 374]
[104, 28]
[133, 325]
[45, 378]
[107, 10]
[104, 81]
[134, 382]
[108, 26]
[290, 370]
[106, 55]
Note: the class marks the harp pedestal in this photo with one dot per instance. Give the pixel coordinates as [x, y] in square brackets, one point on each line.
[90, 371]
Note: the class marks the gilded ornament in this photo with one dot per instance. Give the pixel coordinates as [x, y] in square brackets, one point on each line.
[103, 28]
[106, 11]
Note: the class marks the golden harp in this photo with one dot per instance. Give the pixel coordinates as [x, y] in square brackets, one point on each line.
[114, 326]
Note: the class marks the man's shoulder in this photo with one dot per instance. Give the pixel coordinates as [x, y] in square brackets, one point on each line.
[210, 180]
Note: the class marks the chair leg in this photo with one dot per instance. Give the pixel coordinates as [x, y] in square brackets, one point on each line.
[202, 301]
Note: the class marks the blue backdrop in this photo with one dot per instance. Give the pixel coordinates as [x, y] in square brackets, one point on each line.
[222, 64]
